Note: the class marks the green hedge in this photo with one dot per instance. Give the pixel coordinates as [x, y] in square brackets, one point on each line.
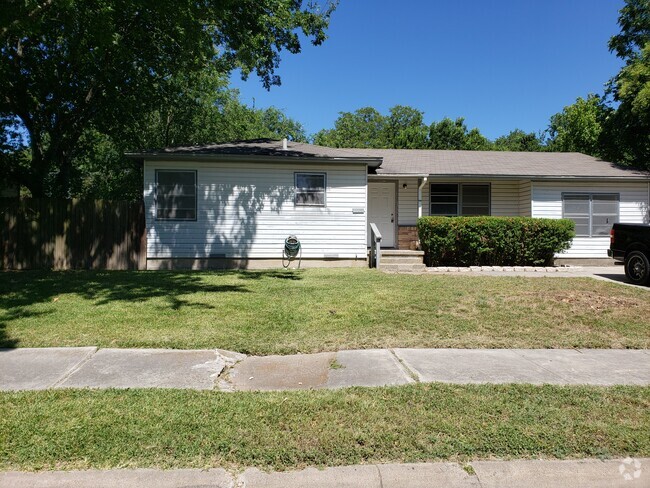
[493, 241]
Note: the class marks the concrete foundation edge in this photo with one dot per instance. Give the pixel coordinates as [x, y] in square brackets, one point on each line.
[584, 262]
[257, 263]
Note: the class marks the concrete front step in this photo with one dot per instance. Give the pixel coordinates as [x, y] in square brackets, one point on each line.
[402, 258]
[401, 252]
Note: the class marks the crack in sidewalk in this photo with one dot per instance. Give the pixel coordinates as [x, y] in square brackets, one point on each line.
[405, 368]
[74, 368]
[222, 379]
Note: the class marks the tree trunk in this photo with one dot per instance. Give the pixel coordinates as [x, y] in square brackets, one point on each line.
[34, 178]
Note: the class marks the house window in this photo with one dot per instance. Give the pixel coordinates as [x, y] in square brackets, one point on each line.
[175, 195]
[451, 200]
[593, 213]
[310, 189]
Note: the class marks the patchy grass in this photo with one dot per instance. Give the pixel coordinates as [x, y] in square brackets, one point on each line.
[81, 429]
[281, 312]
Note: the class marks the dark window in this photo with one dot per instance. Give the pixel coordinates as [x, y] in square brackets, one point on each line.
[593, 213]
[451, 200]
[444, 200]
[475, 200]
[175, 195]
[310, 189]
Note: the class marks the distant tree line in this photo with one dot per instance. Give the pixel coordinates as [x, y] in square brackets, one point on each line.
[404, 128]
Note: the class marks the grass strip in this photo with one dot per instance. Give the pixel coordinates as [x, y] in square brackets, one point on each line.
[278, 312]
[81, 429]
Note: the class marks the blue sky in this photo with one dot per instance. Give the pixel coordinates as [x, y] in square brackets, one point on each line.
[501, 64]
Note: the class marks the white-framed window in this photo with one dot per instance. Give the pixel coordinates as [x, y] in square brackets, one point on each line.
[310, 189]
[175, 194]
[593, 213]
[454, 199]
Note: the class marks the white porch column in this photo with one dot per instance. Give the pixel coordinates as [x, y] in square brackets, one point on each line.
[420, 186]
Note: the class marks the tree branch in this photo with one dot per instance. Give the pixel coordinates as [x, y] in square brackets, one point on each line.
[30, 15]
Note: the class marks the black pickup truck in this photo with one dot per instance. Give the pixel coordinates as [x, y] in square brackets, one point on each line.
[630, 244]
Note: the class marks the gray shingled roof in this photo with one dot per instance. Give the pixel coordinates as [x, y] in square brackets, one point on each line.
[496, 163]
[416, 161]
[263, 148]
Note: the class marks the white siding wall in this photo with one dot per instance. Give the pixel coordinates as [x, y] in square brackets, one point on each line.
[525, 198]
[547, 203]
[407, 201]
[505, 198]
[246, 210]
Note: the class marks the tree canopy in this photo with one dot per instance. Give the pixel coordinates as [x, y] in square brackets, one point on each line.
[404, 128]
[72, 66]
[453, 134]
[578, 127]
[627, 128]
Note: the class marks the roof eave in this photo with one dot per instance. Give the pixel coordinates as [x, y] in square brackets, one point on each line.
[515, 176]
[370, 161]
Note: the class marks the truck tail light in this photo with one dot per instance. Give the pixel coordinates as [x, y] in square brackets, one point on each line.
[612, 236]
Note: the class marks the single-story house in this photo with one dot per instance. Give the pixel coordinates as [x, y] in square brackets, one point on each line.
[234, 204]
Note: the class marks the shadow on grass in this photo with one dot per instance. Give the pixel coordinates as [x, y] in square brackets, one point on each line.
[5, 340]
[619, 278]
[20, 290]
[283, 274]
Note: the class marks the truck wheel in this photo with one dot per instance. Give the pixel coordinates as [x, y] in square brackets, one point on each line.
[637, 268]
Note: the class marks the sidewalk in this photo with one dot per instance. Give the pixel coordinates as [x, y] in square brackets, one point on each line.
[90, 367]
[628, 473]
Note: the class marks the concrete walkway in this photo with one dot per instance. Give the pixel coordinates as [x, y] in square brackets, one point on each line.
[612, 274]
[478, 474]
[90, 367]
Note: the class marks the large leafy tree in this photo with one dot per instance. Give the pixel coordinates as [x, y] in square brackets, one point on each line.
[453, 134]
[402, 128]
[627, 130]
[579, 126]
[365, 127]
[70, 66]
[519, 140]
[405, 128]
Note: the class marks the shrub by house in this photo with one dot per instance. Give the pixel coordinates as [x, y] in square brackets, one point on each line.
[493, 241]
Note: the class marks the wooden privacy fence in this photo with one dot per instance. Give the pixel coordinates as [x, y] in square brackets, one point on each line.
[72, 234]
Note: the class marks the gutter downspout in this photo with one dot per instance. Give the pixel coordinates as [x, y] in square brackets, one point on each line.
[420, 186]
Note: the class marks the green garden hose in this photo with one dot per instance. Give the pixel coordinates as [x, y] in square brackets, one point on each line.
[292, 248]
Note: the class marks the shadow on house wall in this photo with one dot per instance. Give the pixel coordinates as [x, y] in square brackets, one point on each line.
[227, 224]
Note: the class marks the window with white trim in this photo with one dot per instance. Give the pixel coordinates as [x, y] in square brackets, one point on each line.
[593, 213]
[454, 199]
[310, 189]
[175, 194]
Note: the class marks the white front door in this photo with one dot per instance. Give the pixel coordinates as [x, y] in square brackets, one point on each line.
[381, 211]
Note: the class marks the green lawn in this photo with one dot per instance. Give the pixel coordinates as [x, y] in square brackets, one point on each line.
[316, 310]
[81, 429]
